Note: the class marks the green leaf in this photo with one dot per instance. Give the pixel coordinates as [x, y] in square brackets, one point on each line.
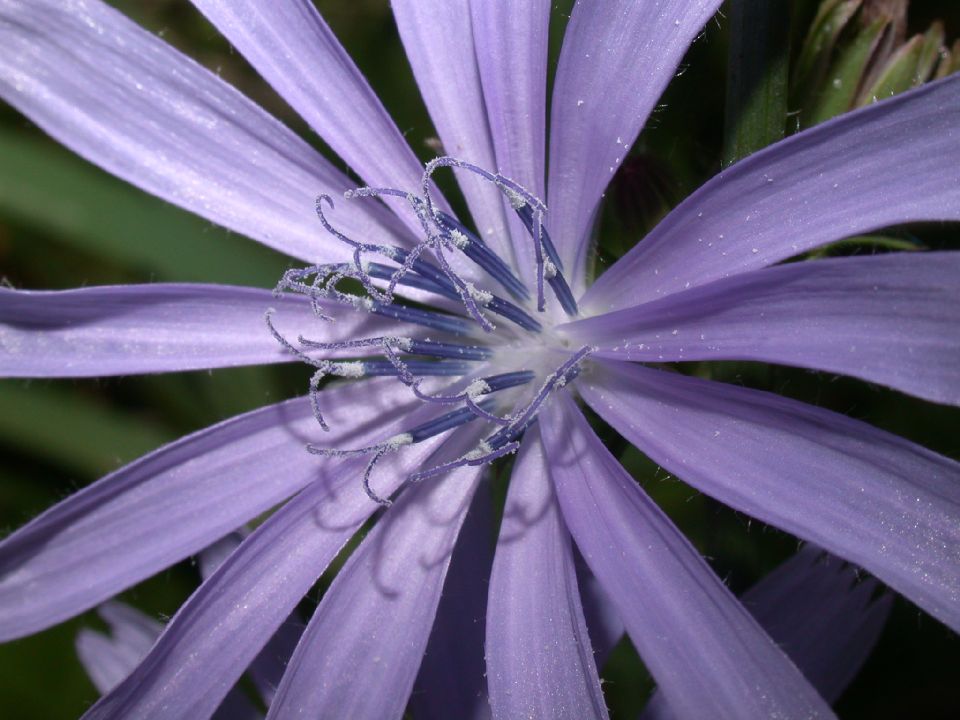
[875, 242]
[838, 92]
[910, 66]
[949, 61]
[76, 432]
[817, 48]
[757, 68]
[46, 188]
[930, 51]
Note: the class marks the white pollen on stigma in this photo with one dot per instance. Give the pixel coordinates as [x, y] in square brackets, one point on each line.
[517, 201]
[398, 441]
[361, 303]
[481, 296]
[458, 239]
[349, 369]
[476, 389]
[484, 448]
[399, 343]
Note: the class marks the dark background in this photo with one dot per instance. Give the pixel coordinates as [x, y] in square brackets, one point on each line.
[64, 223]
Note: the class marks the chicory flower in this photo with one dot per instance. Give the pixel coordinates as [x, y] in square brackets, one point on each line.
[513, 336]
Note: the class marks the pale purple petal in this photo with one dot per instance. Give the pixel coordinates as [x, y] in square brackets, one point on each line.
[107, 663]
[270, 664]
[539, 655]
[452, 674]
[360, 653]
[125, 100]
[214, 555]
[890, 319]
[877, 500]
[237, 706]
[438, 38]
[822, 618]
[129, 329]
[223, 627]
[603, 622]
[617, 58]
[511, 41]
[822, 615]
[130, 627]
[267, 669]
[108, 660]
[894, 162]
[293, 48]
[700, 644]
[172, 502]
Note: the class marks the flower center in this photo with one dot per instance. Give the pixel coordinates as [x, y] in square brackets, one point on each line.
[500, 373]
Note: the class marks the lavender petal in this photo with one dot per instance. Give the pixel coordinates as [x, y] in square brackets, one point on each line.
[821, 616]
[172, 502]
[125, 100]
[368, 635]
[452, 674]
[110, 659]
[293, 48]
[890, 163]
[872, 498]
[603, 622]
[438, 39]
[511, 42]
[539, 656]
[700, 644]
[617, 58]
[130, 329]
[889, 319]
[225, 625]
[268, 667]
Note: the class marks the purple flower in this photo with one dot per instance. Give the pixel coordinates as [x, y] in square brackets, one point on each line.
[456, 391]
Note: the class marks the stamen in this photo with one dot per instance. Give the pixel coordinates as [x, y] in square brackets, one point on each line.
[530, 210]
[526, 214]
[435, 321]
[478, 388]
[411, 261]
[558, 378]
[323, 285]
[496, 305]
[435, 242]
[420, 368]
[449, 350]
[359, 248]
[506, 309]
[377, 451]
[503, 442]
[414, 279]
[447, 421]
[460, 237]
[464, 291]
[395, 366]
[425, 431]
[551, 268]
[430, 348]
[393, 343]
[478, 251]
[427, 267]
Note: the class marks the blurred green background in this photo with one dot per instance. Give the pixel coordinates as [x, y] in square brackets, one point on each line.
[64, 223]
